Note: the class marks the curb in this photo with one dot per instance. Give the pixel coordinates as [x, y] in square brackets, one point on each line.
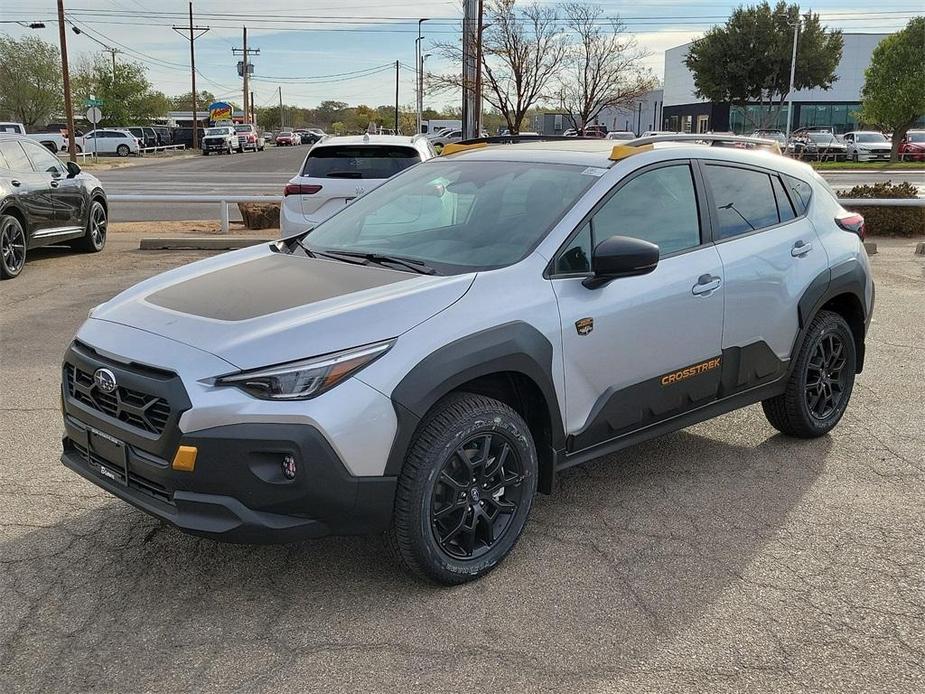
[226, 243]
[870, 247]
[920, 248]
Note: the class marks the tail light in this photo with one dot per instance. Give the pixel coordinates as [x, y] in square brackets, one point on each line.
[299, 189]
[853, 223]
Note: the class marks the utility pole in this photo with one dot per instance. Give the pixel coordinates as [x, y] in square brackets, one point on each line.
[253, 110]
[194, 33]
[245, 51]
[113, 52]
[68, 106]
[419, 73]
[280, 108]
[396, 97]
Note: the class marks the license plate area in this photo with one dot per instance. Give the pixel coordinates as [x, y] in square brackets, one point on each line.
[107, 455]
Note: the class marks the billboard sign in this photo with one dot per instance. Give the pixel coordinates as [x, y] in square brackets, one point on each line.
[220, 111]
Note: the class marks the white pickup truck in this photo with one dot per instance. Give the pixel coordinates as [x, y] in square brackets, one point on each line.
[55, 142]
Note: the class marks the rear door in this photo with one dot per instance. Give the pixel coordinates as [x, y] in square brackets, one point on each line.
[771, 254]
[344, 172]
[32, 190]
[641, 349]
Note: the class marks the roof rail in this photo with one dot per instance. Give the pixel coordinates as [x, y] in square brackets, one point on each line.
[700, 137]
[515, 139]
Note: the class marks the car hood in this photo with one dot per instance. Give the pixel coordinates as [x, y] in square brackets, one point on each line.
[257, 307]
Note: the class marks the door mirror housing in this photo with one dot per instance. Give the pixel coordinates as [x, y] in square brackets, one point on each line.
[73, 168]
[621, 256]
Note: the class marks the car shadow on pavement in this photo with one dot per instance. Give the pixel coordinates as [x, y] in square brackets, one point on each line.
[629, 551]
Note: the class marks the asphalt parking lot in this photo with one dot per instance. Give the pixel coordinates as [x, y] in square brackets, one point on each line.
[721, 558]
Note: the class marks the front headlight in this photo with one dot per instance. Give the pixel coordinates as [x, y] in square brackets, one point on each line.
[307, 378]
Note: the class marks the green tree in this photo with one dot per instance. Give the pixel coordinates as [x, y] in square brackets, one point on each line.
[31, 89]
[184, 102]
[893, 95]
[748, 59]
[126, 94]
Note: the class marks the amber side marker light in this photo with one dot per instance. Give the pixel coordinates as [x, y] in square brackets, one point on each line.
[185, 459]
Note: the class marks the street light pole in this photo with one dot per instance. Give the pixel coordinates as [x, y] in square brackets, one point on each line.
[68, 107]
[419, 74]
[793, 69]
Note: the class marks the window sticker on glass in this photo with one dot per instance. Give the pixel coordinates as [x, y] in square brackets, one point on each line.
[594, 171]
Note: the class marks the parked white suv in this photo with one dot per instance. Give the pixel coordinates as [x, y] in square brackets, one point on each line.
[867, 145]
[337, 170]
[427, 359]
[109, 141]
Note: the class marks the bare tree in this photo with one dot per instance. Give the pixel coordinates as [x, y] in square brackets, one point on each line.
[603, 67]
[521, 51]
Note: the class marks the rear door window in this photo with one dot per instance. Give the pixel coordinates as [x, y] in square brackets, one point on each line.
[358, 161]
[15, 157]
[743, 200]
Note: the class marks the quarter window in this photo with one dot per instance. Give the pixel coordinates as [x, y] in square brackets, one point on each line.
[743, 198]
[800, 193]
[784, 206]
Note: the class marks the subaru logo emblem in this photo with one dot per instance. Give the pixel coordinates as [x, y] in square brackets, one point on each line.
[105, 380]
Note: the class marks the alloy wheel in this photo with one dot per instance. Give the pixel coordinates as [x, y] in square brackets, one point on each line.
[12, 245]
[477, 492]
[826, 376]
[98, 224]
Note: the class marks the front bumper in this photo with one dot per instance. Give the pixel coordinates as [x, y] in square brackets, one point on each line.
[238, 491]
[125, 442]
[867, 155]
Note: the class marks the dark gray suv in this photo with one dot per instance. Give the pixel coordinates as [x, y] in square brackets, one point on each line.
[45, 201]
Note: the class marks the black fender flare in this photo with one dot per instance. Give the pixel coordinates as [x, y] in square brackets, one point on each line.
[848, 277]
[510, 347]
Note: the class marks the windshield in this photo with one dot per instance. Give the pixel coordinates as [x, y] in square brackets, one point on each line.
[243, 128]
[870, 137]
[820, 137]
[918, 136]
[358, 161]
[216, 131]
[457, 216]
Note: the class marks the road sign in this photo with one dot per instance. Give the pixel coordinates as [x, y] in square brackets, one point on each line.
[89, 103]
[94, 115]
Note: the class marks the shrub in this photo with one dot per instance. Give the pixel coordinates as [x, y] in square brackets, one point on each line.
[260, 215]
[889, 221]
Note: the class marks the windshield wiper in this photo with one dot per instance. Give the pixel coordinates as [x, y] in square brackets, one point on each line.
[381, 259]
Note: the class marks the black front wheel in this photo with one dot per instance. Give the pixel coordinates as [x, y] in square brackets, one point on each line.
[12, 247]
[465, 491]
[820, 383]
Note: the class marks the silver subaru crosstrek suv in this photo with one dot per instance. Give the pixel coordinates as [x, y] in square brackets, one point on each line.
[427, 359]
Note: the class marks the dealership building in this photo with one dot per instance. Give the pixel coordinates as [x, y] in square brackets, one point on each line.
[683, 111]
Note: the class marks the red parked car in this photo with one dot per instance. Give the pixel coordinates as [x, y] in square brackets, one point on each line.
[912, 148]
[287, 137]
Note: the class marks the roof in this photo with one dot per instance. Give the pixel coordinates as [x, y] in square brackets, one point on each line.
[368, 140]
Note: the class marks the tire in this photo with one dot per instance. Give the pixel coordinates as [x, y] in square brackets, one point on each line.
[94, 240]
[12, 247]
[78, 149]
[122, 150]
[855, 158]
[466, 447]
[820, 384]
[205, 153]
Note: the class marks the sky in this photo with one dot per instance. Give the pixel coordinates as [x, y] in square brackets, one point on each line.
[345, 50]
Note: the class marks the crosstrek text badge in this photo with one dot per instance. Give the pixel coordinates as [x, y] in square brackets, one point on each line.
[105, 380]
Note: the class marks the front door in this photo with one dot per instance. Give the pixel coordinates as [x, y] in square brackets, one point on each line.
[641, 349]
[67, 194]
[32, 190]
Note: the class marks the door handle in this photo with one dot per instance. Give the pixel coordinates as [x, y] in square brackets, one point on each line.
[706, 283]
[15, 183]
[54, 184]
[801, 248]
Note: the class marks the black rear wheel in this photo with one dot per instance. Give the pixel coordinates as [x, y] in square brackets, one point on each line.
[820, 383]
[465, 490]
[12, 247]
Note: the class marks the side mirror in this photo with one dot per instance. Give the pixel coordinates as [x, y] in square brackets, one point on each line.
[73, 168]
[621, 256]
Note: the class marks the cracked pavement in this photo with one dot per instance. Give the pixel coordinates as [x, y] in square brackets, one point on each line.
[723, 558]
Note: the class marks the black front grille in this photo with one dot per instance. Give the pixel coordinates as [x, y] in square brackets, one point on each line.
[143, 411]
[135, 481]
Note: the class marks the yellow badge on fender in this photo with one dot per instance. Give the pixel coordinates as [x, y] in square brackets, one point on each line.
[584, 325]
[690, 371]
